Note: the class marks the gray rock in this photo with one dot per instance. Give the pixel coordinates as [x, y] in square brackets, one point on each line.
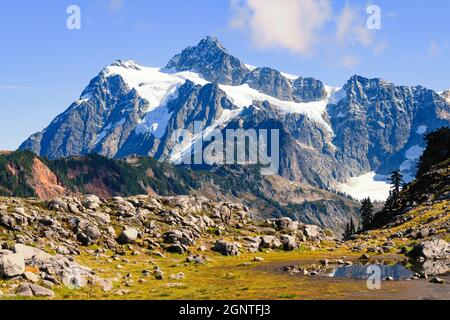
[434, 249]
[30, 276]
[128, 235]
[91, 202]
[438, 280]
[29, 252]
[226, 248]
[177, 248]
[312, 232]
[92, 232]
[39, 291]
[289, 242]
[24, 290]
[270, 242]
[12, 265]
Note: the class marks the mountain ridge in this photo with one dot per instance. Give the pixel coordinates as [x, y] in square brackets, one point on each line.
[331, 134]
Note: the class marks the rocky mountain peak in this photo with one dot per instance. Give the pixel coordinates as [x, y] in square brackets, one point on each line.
[211, 60]
[127, 64]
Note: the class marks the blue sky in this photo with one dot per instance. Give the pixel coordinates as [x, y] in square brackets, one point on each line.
[44, 66]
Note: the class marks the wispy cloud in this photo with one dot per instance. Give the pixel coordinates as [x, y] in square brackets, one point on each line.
[292, 24]
[351, 28]
[436, 48]
[112, 6]
[115, 5]
[305, 27]
[349, 61]
[14, 88]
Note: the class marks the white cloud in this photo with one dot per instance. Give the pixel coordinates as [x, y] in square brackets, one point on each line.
[115, 5]
[11, 87]
[351, 28]
[112, 6]
[434, 49]
[349, 61]
[291, 24]
[306, 26]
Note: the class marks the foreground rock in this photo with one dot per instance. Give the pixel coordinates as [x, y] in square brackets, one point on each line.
[135, 225]
[226, 248]
[34, 290]
[12, 265]
[437, 249]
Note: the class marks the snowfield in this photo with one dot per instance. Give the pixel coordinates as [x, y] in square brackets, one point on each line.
[368, 185]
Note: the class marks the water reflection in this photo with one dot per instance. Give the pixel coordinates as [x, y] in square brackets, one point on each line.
[395, 272]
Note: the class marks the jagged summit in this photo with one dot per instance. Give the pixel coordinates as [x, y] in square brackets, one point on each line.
[211, 60]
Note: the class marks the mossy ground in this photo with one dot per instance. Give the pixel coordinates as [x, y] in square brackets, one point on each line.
[223, 278]
[239, 278]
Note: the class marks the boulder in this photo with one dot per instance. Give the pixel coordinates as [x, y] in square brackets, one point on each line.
[438, 281]
[286, 224]
[39, 291]
[431, 250]
[312, 232]
[91, 202]
[29, 252]
[173, 236]
[12, 265]
[270, 242]
[177, 248]
[24, 290]
[30, 276]
[92, 232]
[289, 242]
[226, 248]
[128, 235]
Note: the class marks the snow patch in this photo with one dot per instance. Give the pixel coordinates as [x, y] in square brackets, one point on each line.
[335, 94]
[289, 76]
[422, 129]
[244, 96]
[367, 185]
[251, 67]
[408, 167]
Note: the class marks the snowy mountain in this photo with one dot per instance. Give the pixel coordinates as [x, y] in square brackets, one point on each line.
[328, 135]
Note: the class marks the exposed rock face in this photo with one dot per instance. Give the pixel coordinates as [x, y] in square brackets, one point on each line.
[377, 122]
[270, 82]
[44, 182]
[308, 89]
[273, 83]
[210, 59]
[446, 95]
[100, 121]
